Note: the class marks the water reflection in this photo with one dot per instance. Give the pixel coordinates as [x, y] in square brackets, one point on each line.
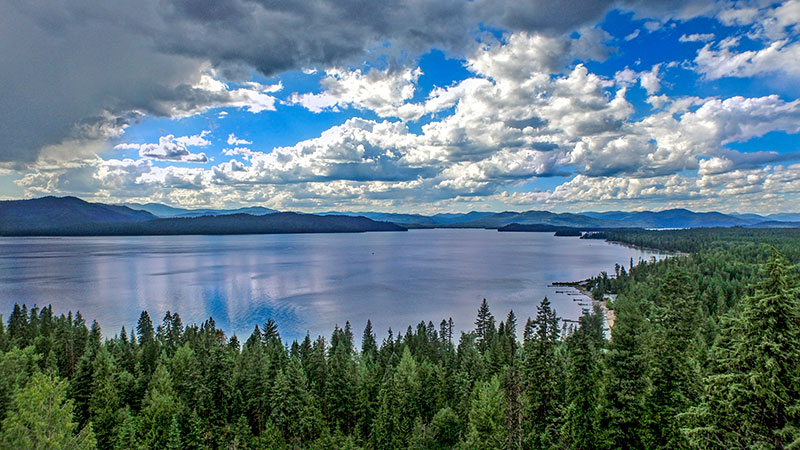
[305, 282]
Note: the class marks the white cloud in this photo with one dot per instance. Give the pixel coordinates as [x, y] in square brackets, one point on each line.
[774, 25]
[697, 37]
[127, 146]
[652, 25]
[197, 140]
[382, 91]
[209, 92]
[515, 119]
[170, 148]
[237, 151]
[233, 140]
[779, 57]
[770, 21]
[650, 80]
[633, 35]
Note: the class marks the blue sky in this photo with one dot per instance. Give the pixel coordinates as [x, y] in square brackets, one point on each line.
[622, 106]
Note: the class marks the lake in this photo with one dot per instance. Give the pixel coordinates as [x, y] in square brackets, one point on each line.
[306, 282]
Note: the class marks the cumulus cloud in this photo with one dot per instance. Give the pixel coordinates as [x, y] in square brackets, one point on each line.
[233, 140]
[779, 57]
[697, 37]
[184, 57]
[238, 151]
[170, 148]
[382, 91]
[774, 26]
[649, 80]
[527, 110]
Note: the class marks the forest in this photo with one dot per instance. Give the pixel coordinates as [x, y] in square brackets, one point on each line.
[704, 353]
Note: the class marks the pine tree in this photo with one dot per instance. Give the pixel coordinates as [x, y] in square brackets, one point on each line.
[148, 352]
[16, 367]
[626, 384]
[105, 403]
[340, 386]
[159, 407]
[174, 435]
[752, 394]
[18, 326]
[367, 393]
[293, 410]
[444, 430]
[270, 331]
[80, 388]
[254, 386]
[41, 418]
[484, 327]
[369, 347]
[543, 372]
[675, 319]
[486, 427]
[399, 398]
[580, 424]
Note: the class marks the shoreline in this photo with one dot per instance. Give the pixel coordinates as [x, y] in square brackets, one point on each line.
[580, 286]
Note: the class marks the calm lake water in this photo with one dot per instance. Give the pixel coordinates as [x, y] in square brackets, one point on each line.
[305, 282]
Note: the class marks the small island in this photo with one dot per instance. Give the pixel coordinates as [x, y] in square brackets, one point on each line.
[542, 228]
[569, 232]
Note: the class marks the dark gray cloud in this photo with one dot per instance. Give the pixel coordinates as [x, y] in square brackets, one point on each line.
[68, 61]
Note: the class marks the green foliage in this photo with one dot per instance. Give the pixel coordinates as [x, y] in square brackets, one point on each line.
[580, 429]
[543, 372]
[294, 412]
[626, 385]
[486, 429]
[751, 393]
[159, 407]
[41, 418]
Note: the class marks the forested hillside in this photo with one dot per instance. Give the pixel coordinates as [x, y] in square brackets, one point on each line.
[704, 353]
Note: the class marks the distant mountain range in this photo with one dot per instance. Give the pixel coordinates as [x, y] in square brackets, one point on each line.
[164, 211]
[73, 216]
[70, 216]
[63, 211]
[673, 218]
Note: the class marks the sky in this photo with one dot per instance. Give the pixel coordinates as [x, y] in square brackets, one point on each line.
[411, 106]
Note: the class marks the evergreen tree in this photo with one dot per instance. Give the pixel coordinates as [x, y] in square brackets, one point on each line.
[675, 319]
[174, 435]
[369, 383]
[270, 331]
[543, 372]
[340, 386]
[369, 347]
[254, 386]
[159, 407]
[18, 326]
[105, 403]
[41, 418]
[148, 353]
[752, 395]
[444, 430]
[399, 408]
[580, 424]
[16, 367]
[293, 411]
[626, 384]
[486, 427]
[484, 327]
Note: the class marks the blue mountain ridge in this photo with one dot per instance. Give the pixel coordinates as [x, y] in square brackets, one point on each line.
[49, 212]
